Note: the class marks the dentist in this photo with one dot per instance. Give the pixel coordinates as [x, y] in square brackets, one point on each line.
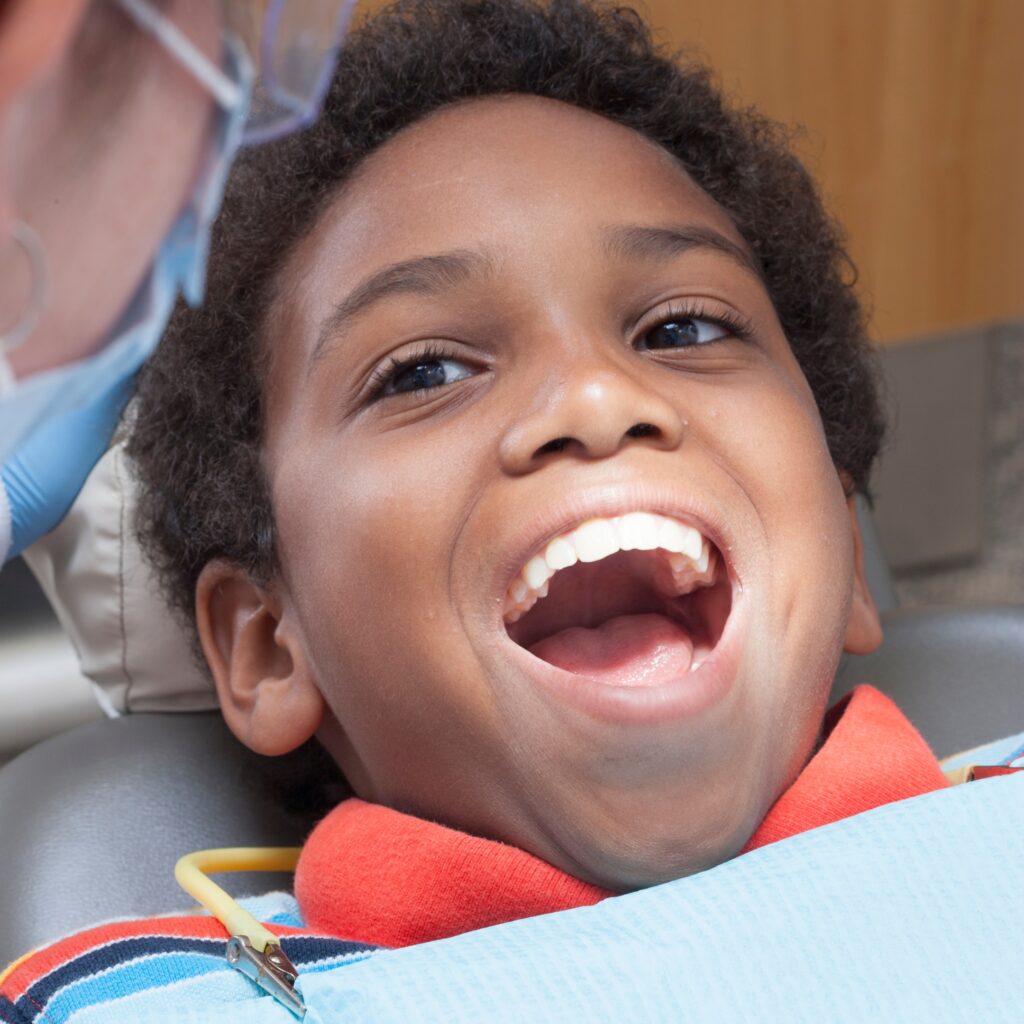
[118, 122]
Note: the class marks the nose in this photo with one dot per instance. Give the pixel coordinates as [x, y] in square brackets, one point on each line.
[591, 413]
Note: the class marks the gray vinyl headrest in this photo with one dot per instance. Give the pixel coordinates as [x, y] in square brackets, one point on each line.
[957, 673]
[92, 821]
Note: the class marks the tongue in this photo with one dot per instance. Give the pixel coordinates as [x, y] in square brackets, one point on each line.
[628, 650]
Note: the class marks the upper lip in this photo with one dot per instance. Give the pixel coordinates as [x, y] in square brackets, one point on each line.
[606, 501]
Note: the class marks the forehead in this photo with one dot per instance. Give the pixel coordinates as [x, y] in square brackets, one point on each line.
[515, 148]
[502, 175]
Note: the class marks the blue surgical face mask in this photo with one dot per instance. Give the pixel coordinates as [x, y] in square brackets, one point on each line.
[179, 265]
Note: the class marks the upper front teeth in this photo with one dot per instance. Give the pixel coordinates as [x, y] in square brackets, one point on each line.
[689, 553]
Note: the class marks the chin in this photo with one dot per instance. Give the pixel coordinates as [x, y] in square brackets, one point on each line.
[649, 842]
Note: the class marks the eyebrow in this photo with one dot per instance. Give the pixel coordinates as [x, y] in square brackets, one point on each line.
[431, 275]
[422, 275]
[664, 242]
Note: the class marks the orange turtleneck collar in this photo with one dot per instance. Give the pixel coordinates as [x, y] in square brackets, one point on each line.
[375, 875]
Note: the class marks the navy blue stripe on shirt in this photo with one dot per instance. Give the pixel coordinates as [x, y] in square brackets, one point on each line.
[307, 949]
[10, 1014]
[111, 955]
[300, 949]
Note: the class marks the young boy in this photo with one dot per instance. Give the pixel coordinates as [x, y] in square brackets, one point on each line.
[512, 455]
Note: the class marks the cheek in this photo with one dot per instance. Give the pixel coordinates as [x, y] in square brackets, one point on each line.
[782, 462]
[360, 525]
[769, 432]
[365, 543]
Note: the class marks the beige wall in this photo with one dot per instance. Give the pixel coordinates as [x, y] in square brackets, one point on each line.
[915, 118]
[914, 111]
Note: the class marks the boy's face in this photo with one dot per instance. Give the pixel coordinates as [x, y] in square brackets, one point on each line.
[556, 353]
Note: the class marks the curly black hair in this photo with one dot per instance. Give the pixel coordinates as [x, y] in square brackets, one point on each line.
[196, 436]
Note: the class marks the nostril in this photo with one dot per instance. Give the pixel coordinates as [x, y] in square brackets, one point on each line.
[641, 430]
[557, 445]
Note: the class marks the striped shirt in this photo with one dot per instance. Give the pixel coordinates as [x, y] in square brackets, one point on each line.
[121, 969]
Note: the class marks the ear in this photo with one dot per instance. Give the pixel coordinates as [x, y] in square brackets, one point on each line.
[864, 630]
[267, 694]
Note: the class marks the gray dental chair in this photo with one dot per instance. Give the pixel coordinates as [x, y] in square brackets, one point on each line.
[93, 820]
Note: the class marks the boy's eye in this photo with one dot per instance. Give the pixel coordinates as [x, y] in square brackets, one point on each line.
[682, 332]
[422, 374]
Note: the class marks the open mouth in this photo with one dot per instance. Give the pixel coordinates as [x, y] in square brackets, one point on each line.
[635, 600]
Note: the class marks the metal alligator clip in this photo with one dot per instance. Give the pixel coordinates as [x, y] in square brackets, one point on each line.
[271, 970]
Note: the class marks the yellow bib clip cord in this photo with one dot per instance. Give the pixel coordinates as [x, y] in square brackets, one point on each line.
[252, 948]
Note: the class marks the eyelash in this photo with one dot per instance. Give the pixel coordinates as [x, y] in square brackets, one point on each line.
[430, 352]
[382, 375]
[738, 327]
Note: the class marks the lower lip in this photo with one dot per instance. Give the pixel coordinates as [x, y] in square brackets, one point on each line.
[689, 696]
